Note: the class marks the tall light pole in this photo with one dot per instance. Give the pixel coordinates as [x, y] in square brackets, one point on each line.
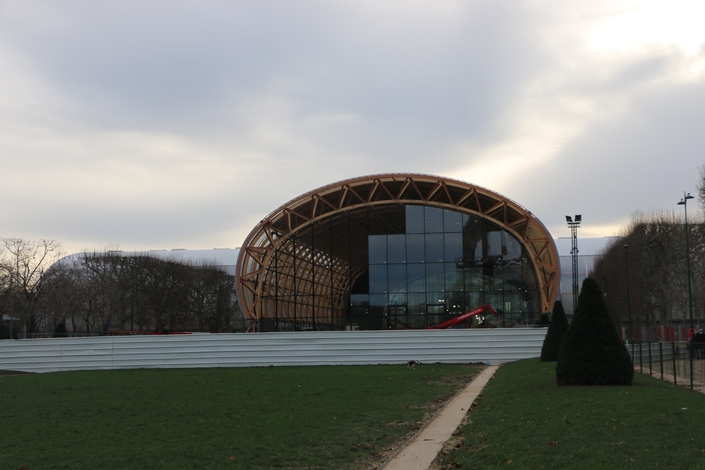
[684, 202]
[133, 269]
[629, 305]
[574, 224]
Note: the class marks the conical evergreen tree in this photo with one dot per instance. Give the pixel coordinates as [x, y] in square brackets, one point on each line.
[555, 333]
[592, 352]
[544, 320]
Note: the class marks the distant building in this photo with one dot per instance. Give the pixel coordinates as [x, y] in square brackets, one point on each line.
[225, 258]
[9, 327]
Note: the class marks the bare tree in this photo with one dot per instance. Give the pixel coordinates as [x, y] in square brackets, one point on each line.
[655, 265]
[701, 187]
[112, 290]
[107, 283]
[211, 299]
[62, 297]
[22, 265]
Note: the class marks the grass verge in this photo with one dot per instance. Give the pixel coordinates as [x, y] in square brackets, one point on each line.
[523, 420]
[344, 417]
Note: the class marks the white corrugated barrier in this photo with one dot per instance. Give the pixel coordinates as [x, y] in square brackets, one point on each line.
[493, 346]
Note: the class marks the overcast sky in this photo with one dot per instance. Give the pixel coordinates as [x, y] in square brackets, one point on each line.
[164, 124]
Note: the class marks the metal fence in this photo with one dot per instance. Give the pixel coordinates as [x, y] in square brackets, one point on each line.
[494, 346]
[669, 361]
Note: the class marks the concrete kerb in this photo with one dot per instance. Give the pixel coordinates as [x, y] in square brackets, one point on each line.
[422, 448]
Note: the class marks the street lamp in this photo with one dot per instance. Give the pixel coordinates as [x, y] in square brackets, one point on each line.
[684, 202]
[133, 268]
[629, 305]
[574, 252]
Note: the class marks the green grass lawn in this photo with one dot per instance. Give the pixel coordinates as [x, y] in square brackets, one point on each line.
[523, 420]
[344, 417]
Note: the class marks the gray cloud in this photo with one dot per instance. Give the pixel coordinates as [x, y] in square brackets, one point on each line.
[640, 162]
[147, 125]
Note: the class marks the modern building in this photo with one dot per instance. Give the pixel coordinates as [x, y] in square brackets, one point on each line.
[224, 258]
[396, 251]
[9, 327]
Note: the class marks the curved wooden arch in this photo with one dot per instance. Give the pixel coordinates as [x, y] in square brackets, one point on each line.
[260, 274]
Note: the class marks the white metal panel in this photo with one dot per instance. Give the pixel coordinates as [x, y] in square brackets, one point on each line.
[494, 346]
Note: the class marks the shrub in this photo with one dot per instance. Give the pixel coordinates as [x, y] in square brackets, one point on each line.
[591, 352]
[544, 320]
[555, 333]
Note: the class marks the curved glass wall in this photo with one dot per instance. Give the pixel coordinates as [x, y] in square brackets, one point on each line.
[444, 264]
[394, 266]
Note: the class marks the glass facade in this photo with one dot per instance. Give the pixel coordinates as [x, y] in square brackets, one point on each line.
[444, 264]
[398, 266]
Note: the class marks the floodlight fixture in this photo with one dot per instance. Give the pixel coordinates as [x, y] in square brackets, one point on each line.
[572, 222]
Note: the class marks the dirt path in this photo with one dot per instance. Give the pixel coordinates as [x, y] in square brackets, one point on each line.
[423, 448]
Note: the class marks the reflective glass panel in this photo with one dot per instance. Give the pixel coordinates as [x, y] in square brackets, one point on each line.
[357, 312]
[435, 277]
[396, 246]
[512, 276]
[415, 252]
[512, 247]
[416, 277]
[472, 224]
[487, 273]
[434, 220]
[378, 300]
[453, 277]
[453, 246]
[377, 249]
[436, 298]
[474, 300]
[473, 279]
[378, 278]
[512, 302]
[434, 248]
[414, 219]
[359, 300]
[472, 247]
[455, 302]
[495, 282]
[417, 304]
[494, 243]
[452, 221]
[418, 320]
[397, 278]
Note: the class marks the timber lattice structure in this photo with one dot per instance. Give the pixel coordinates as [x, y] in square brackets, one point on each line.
[298, 265]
